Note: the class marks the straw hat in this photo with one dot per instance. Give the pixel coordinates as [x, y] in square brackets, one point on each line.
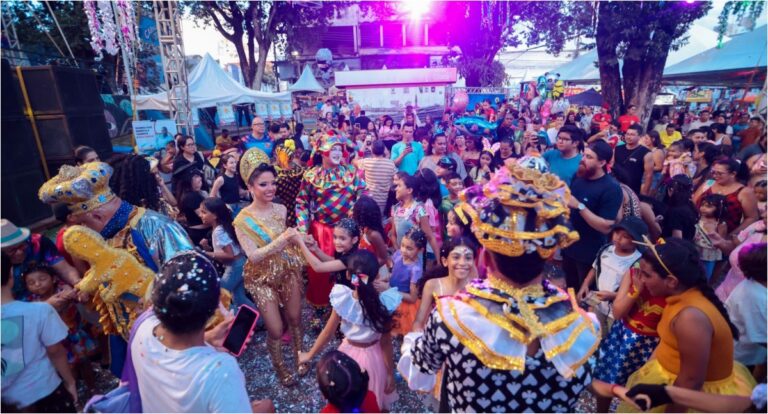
[10, 235]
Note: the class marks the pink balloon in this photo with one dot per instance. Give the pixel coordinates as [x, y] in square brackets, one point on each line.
[460, 101]
[546, 109]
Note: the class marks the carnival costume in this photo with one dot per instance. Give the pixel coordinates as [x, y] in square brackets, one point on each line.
[270, 280]
[327, 195]
[481, 336]
[289, 178]
[149, 237]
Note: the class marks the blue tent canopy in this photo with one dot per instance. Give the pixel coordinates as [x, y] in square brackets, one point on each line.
[306, 82]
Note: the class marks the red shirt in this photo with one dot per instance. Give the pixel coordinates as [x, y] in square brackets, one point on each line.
[627, 120]
[602, 120]
[369, 405]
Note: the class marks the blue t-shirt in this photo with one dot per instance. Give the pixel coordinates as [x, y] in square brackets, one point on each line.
[565, 168]
[410, 163]
[603, 197]
[264, 143]
[404, 274]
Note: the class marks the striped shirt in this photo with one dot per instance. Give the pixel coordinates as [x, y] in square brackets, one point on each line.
[378, 175]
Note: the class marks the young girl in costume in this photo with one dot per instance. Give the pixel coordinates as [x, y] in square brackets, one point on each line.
[43, 282]
[214, 213]
[365, 317]
[406, 273]
[711, 221]
[346, 236]
[632, 337]
[344, 385]
[695, 348]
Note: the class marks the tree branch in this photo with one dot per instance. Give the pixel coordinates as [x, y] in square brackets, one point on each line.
[220, 27]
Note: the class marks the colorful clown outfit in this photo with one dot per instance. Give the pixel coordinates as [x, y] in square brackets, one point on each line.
[270, 279]
[326, 196]
[480, 337]
[134, 243]
[289, 176]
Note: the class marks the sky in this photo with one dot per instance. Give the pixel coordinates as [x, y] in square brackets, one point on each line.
[201, 40]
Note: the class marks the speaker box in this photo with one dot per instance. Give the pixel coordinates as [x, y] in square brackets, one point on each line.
[19, 201]
[17, 146]
[61, 134]
[56, 90]
[11, 103]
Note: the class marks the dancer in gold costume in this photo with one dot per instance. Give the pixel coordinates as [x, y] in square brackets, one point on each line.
[273, 271]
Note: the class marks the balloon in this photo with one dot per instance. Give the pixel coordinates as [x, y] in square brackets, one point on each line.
[460, 101]
[560, 106]
[558, 89]
[481, 122]
[534, 161]
[546, 109]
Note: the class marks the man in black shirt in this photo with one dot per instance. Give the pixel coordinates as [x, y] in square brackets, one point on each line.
[595, 202]
[635, 161]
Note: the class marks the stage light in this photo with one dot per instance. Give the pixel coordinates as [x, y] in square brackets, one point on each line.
[415, 8]
[690, 1]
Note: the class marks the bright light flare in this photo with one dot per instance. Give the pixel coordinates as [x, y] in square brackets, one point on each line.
[415, 8]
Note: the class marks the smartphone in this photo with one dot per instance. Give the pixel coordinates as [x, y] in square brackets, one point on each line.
[244, 322]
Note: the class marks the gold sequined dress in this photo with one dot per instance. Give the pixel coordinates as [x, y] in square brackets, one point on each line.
[270, 276]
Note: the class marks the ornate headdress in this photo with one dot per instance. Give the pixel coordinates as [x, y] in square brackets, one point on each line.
[520, 210]
[284, 153]
[83, 188]
[251, 160]
[326, 142]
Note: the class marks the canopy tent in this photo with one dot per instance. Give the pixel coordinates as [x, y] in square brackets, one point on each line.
[741, 62]
[306, 82]
[589, 97]
[583, 70]
[210, 86]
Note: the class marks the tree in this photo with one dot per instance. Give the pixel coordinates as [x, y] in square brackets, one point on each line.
[256, 25]
[481, 29]
[642, 34]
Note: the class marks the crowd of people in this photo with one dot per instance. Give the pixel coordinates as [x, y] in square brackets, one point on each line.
[430, 233]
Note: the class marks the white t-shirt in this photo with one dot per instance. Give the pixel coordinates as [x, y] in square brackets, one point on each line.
[697, 124]
[221, 240]
[747, 309]
[196, 380]
[27, 330]
[612, 268]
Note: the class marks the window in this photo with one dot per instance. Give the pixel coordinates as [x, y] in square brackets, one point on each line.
[393, 35]
[340, 39]
[414, 34]
[437, 35]
[370, 35]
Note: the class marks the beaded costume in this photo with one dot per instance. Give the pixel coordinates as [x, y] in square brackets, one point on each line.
[149, 237]
[481, 337]
[326, 196]
[289, 178]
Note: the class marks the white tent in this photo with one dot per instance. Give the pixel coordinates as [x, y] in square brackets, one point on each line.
[740, 62]
[306, 82]
[583, 69]
[210, 85]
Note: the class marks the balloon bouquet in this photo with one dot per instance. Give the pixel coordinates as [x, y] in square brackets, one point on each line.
[545, 95]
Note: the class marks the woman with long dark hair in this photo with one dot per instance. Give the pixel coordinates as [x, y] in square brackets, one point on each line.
[272, 273]
[365, 319]
[367, 215]
[741, 204]
[695, 333]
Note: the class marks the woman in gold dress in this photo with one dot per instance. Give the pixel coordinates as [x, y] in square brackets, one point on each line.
[273, 271]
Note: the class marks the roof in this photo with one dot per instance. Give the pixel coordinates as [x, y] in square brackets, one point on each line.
[583, 69]
[396, 77]
[737, 62]
[210, 85]
[306, 82]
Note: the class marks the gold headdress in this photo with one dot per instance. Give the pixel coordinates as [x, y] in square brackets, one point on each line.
[284, 153]
[520, 210]
[251, 160]
[83, 188]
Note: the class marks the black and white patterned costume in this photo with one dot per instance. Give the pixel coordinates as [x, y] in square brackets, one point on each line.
[480, 339]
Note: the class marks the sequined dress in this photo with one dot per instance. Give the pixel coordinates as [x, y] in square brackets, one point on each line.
[270, 278]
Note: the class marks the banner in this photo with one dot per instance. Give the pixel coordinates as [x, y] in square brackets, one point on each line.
[152, 136]
[226, 114]
[700, 96]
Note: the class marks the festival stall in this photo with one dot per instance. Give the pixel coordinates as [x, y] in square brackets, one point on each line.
[306, 90]
[210, 87]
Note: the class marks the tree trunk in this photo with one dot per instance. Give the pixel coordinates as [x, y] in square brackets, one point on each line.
[262, 63]
[250, 74]
[643, 71]
[608, 63]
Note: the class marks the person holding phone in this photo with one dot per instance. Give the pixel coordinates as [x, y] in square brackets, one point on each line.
[172, 343]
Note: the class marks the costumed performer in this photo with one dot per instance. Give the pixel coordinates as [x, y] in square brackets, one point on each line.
[148, 236]
[512, 342]
[289, 176]
[327, 195]
[695, 348]
[272, 272]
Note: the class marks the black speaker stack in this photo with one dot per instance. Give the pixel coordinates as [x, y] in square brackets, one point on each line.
[67, 111]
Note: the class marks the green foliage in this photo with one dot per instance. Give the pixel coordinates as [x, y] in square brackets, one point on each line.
[739, 10]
